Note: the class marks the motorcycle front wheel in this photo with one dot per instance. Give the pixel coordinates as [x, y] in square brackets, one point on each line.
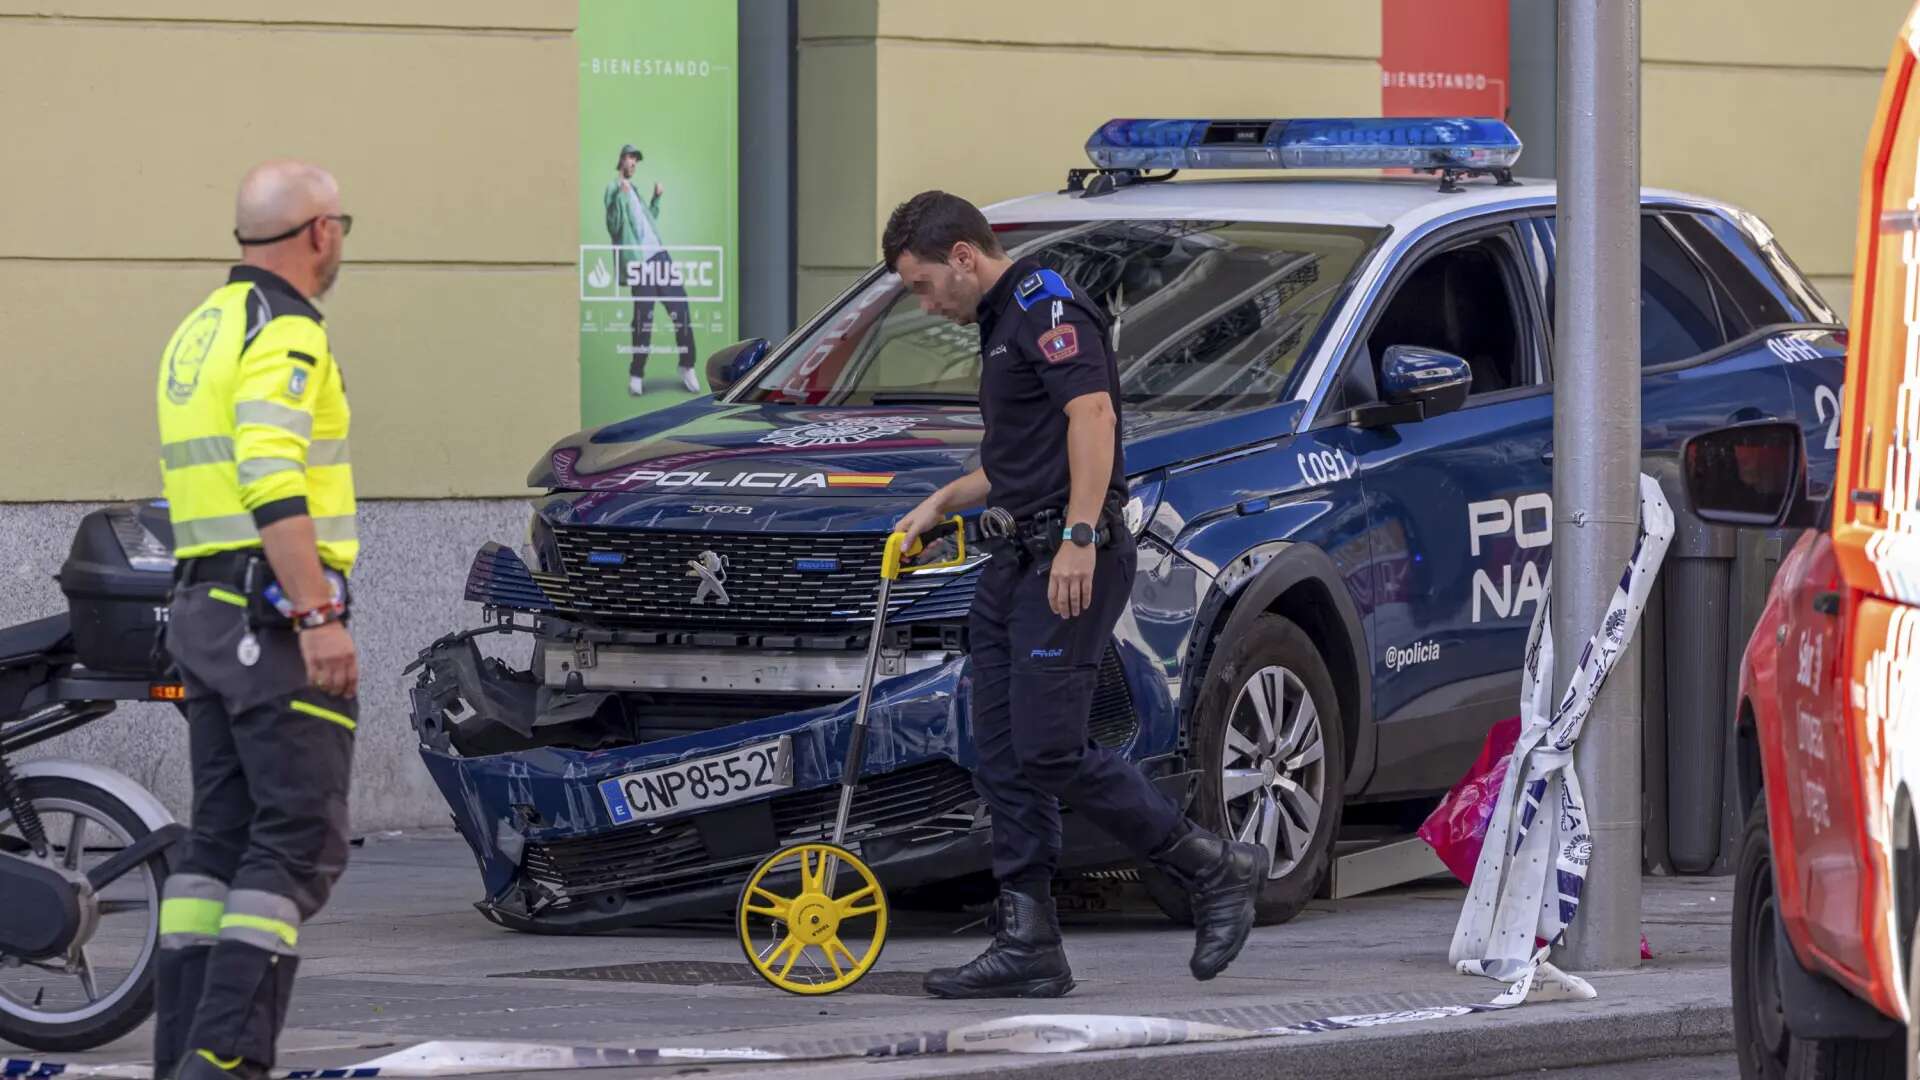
[101, 987]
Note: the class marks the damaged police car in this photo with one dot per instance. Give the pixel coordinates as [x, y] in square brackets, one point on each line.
[1338, 428]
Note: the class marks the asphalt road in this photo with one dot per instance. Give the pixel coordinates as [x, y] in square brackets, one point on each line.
[1718, 1067]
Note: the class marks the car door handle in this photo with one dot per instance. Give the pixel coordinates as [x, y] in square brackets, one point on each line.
[1546, 456]
[1827, 603]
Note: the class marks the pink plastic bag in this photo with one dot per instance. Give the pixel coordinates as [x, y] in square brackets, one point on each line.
[1457, 828]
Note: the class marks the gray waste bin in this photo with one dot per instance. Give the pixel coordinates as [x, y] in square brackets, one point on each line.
[1704, 604]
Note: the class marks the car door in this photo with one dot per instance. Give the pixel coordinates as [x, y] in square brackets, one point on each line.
[1818, 771]
[1458, 504]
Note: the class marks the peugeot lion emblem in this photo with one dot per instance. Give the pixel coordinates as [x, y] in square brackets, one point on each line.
[711, 569]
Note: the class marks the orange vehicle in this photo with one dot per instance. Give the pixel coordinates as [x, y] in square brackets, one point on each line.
[1824, 949]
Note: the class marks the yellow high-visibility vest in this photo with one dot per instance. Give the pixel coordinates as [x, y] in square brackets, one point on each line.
[253, 422]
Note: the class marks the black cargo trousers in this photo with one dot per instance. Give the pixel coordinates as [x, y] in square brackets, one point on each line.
[1033, 678]
[271, 757]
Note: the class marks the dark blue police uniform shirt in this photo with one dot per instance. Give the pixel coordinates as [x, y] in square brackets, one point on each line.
[1043, 342]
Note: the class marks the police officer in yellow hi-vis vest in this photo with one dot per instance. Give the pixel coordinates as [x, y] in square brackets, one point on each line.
[253, 450]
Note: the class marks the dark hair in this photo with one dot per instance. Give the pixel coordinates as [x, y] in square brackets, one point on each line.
[930, 223]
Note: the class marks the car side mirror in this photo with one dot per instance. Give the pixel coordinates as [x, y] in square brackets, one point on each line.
[1415, 383]
[726, 366]
[1748, 474]
[1439, 381]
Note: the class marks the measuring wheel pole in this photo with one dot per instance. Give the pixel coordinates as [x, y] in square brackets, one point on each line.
[857, 738]
[1596, 429]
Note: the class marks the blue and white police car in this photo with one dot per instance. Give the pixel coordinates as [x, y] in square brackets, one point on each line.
[1338, 398]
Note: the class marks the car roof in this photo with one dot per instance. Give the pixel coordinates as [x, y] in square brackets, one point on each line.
[1402, 202]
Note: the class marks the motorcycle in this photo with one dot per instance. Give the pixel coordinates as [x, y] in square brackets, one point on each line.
[84, 850]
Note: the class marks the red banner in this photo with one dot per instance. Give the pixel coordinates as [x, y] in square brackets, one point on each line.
[1443, 58]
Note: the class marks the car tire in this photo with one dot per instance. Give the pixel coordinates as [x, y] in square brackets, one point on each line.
[1766, 1048]
[1278, 784]
[1913, 1007]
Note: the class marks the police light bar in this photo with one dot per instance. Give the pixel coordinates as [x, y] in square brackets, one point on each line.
[1461, 143]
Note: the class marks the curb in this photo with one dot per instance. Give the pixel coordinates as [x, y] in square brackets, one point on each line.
[1479, 1046]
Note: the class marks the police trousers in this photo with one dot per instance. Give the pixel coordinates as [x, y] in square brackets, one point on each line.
[1033, 682]
[271, 759]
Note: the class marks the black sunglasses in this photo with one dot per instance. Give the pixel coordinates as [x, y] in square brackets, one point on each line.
[345, 220]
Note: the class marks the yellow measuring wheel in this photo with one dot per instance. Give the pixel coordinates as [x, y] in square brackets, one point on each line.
[800, 930]
[792, 924]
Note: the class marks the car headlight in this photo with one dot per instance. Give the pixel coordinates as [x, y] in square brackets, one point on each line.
[1143, 498]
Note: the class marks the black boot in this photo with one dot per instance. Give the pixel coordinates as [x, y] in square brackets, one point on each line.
[1224, 879]
[178, 976]
[202, 1065]
[1026, 959]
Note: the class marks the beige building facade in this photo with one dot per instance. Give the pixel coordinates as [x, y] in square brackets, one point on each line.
[451, 124]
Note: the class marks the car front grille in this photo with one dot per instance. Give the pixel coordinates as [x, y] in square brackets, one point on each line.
[792, 581]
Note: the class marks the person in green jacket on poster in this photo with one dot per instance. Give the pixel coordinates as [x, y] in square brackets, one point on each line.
[648, 272]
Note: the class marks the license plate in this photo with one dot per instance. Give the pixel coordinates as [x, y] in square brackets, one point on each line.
[700, 783]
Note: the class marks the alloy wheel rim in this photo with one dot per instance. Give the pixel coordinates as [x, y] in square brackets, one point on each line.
[108, 950]
[1273, 767]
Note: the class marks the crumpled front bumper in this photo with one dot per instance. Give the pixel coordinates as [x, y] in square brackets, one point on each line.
[552, 858]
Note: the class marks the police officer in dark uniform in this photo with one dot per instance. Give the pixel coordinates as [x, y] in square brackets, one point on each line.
[1048, 601]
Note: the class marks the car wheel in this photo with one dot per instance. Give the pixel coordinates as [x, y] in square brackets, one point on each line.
[1767, 1049]
[1268, 742]
[1913, 1008]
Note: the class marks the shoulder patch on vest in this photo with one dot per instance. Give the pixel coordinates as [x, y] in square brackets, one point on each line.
[1059, 343]
[1039, 285]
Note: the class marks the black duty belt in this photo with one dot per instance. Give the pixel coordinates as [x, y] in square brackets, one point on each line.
[1037, 536]
[247, 571]
[225, 567]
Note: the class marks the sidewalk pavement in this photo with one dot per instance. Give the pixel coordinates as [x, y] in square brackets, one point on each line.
[400, 957]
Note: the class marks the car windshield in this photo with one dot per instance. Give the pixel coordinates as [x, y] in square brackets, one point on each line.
[1205, 315]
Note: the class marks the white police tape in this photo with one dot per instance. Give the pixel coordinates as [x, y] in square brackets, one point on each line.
[1533, 867]
[1038, 1034]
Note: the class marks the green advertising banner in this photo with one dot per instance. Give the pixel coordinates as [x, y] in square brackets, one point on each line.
[659, 220]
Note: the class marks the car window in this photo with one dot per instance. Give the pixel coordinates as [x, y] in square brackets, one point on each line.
[1204, 315]
[1679, 317]
[1684, 310]
[1759, 285]
[1461, 300]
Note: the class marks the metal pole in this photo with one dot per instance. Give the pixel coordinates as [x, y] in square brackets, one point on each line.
[1532, 102]
[765, 161]
[1596, 432]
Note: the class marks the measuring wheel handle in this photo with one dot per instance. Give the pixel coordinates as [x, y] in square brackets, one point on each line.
[801, 950]
[892, 561]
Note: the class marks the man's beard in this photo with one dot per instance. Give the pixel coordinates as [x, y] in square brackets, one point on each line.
[326, 280]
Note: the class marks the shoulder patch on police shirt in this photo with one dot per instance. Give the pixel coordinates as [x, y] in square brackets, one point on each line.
[1039, 285]
[1059, 343]
[297, 383]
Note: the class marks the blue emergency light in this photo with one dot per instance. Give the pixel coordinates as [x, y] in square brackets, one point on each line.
[1448, 143]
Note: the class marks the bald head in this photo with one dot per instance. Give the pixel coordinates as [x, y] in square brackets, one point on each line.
[277, 197]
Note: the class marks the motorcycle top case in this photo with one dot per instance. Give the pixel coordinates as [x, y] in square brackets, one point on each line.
[116, 606]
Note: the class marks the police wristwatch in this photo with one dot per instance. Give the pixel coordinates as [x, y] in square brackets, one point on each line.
[1080, 535]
